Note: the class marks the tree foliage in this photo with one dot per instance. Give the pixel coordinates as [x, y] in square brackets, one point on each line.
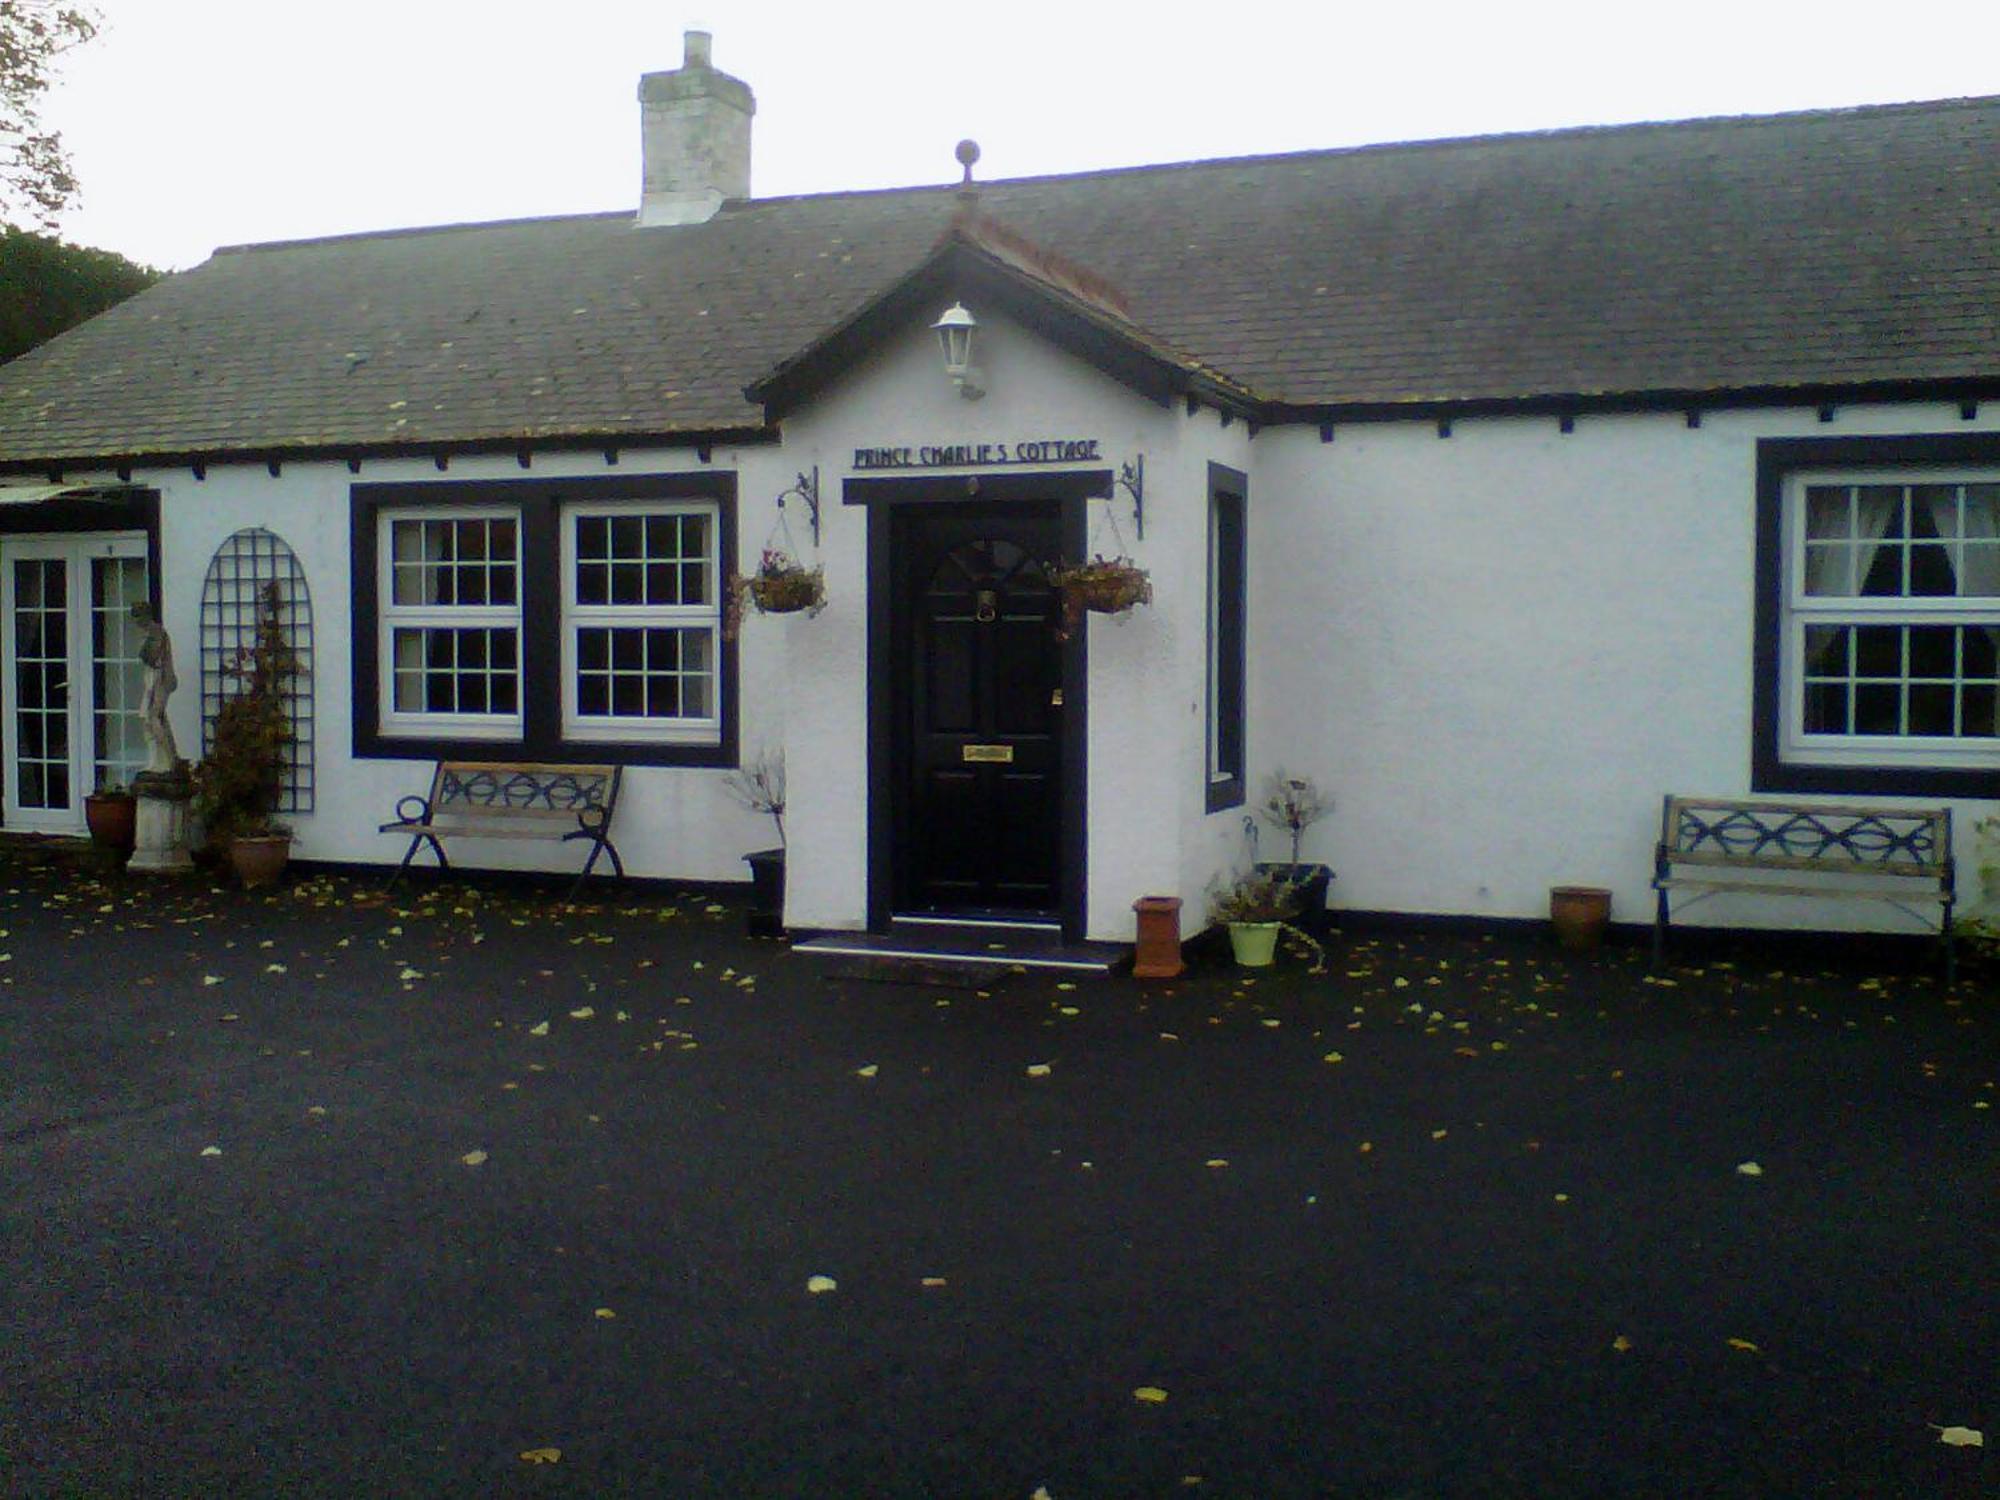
[47, 286]
[35, 178]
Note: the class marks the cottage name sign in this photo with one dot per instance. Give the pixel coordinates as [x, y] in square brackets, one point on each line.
[966, 455]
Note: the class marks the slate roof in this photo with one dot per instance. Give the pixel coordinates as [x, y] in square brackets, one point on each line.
[1848, 248]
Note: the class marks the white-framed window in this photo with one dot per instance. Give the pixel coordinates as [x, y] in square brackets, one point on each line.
[642, 621]
[449, 621]
[1890, 634]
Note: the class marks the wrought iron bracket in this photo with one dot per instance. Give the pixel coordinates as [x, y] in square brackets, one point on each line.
[807, 489]
[1132, 478]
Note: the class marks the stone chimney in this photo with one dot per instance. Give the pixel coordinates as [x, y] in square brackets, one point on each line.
[695, 132]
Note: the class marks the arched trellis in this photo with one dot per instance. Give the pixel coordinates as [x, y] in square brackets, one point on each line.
[242, 567]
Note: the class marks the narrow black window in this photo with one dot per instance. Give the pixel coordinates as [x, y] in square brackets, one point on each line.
[1227, 584]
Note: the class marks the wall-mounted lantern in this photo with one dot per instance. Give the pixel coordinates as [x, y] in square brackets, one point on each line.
[954, 330]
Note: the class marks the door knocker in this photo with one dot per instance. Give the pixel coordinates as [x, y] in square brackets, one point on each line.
[985, 606]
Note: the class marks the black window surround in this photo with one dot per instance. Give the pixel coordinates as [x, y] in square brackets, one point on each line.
[540, 503]
[1777, 460]
[1228, 585]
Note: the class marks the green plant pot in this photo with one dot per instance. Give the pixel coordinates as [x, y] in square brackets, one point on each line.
[1254, 943]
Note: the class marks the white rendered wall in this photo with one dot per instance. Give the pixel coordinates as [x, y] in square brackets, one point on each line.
[1498, 651]
[1146, 668]
[671, 820]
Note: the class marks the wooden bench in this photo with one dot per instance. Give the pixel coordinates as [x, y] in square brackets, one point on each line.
[1891, 854]
[510, 800]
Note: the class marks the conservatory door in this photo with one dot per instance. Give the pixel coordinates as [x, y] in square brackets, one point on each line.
[70, 675]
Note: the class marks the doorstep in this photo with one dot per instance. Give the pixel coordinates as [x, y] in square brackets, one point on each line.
[921, 946]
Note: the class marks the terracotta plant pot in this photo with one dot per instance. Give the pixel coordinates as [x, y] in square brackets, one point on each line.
[259, 859]
[113, 819]
[1157, 954]
[1580, 913]
[1255, 944]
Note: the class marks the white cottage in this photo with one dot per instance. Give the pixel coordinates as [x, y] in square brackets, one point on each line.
[1499, 485]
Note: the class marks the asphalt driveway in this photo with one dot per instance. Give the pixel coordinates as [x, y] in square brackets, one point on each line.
[475, 1194]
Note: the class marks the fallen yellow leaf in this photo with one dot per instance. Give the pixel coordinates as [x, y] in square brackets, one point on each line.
[869, 1071]
[1216, 1161]
[582, 1013]
[541, 1030]
[1962, 1437]
[1749, 1169]
[1149, 1393]
[1038, 1070]
[817, 1284]
[1745, 1345]
[606, 1313]
[1621, 1344]
[934, 1281]
[542, 1456]
[473, 1158]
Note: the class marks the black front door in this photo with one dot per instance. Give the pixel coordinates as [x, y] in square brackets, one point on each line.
[977, 673]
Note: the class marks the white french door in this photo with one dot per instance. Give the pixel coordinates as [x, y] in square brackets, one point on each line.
[70, 675]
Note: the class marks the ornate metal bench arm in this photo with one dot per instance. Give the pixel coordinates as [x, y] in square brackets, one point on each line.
[592, 818]
[421, 804]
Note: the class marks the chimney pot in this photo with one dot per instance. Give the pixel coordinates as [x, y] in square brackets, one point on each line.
[698, 45]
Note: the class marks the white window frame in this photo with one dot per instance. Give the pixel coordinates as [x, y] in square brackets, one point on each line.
[391, 616]
[706, 730]
[1913, 752]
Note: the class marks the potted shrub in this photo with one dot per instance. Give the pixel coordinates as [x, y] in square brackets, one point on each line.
[780, 586]
[1104, 585]
[237, 782]
[760, 786]
[111, 813]
[1294, 804]
[1255, 908]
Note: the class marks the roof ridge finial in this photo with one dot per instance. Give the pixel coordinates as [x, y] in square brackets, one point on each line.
[967, 152]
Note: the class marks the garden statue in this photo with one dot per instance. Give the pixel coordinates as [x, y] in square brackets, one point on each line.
[164, 787]
[156, 652]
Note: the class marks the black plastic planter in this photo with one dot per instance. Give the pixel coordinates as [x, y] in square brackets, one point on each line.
[767, 893]
[1312, 883]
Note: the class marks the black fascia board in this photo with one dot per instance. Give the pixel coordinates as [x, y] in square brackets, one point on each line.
[1661, 399]
[415, 448]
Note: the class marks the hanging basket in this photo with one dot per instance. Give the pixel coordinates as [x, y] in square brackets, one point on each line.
[786, 592]
[778, 587]
[1104, 586]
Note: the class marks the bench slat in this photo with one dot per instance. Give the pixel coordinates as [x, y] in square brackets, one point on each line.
[1759, 888]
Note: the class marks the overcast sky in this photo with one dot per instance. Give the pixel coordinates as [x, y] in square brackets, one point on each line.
[198, 123]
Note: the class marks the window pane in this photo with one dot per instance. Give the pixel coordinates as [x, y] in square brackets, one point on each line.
[1826, 708]
[1878, 708]
[593, 583]
[1826, 649]
[1931, 570]
[1878, 651]
[1827, 511]
[1977, 714]
[1932, 709]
